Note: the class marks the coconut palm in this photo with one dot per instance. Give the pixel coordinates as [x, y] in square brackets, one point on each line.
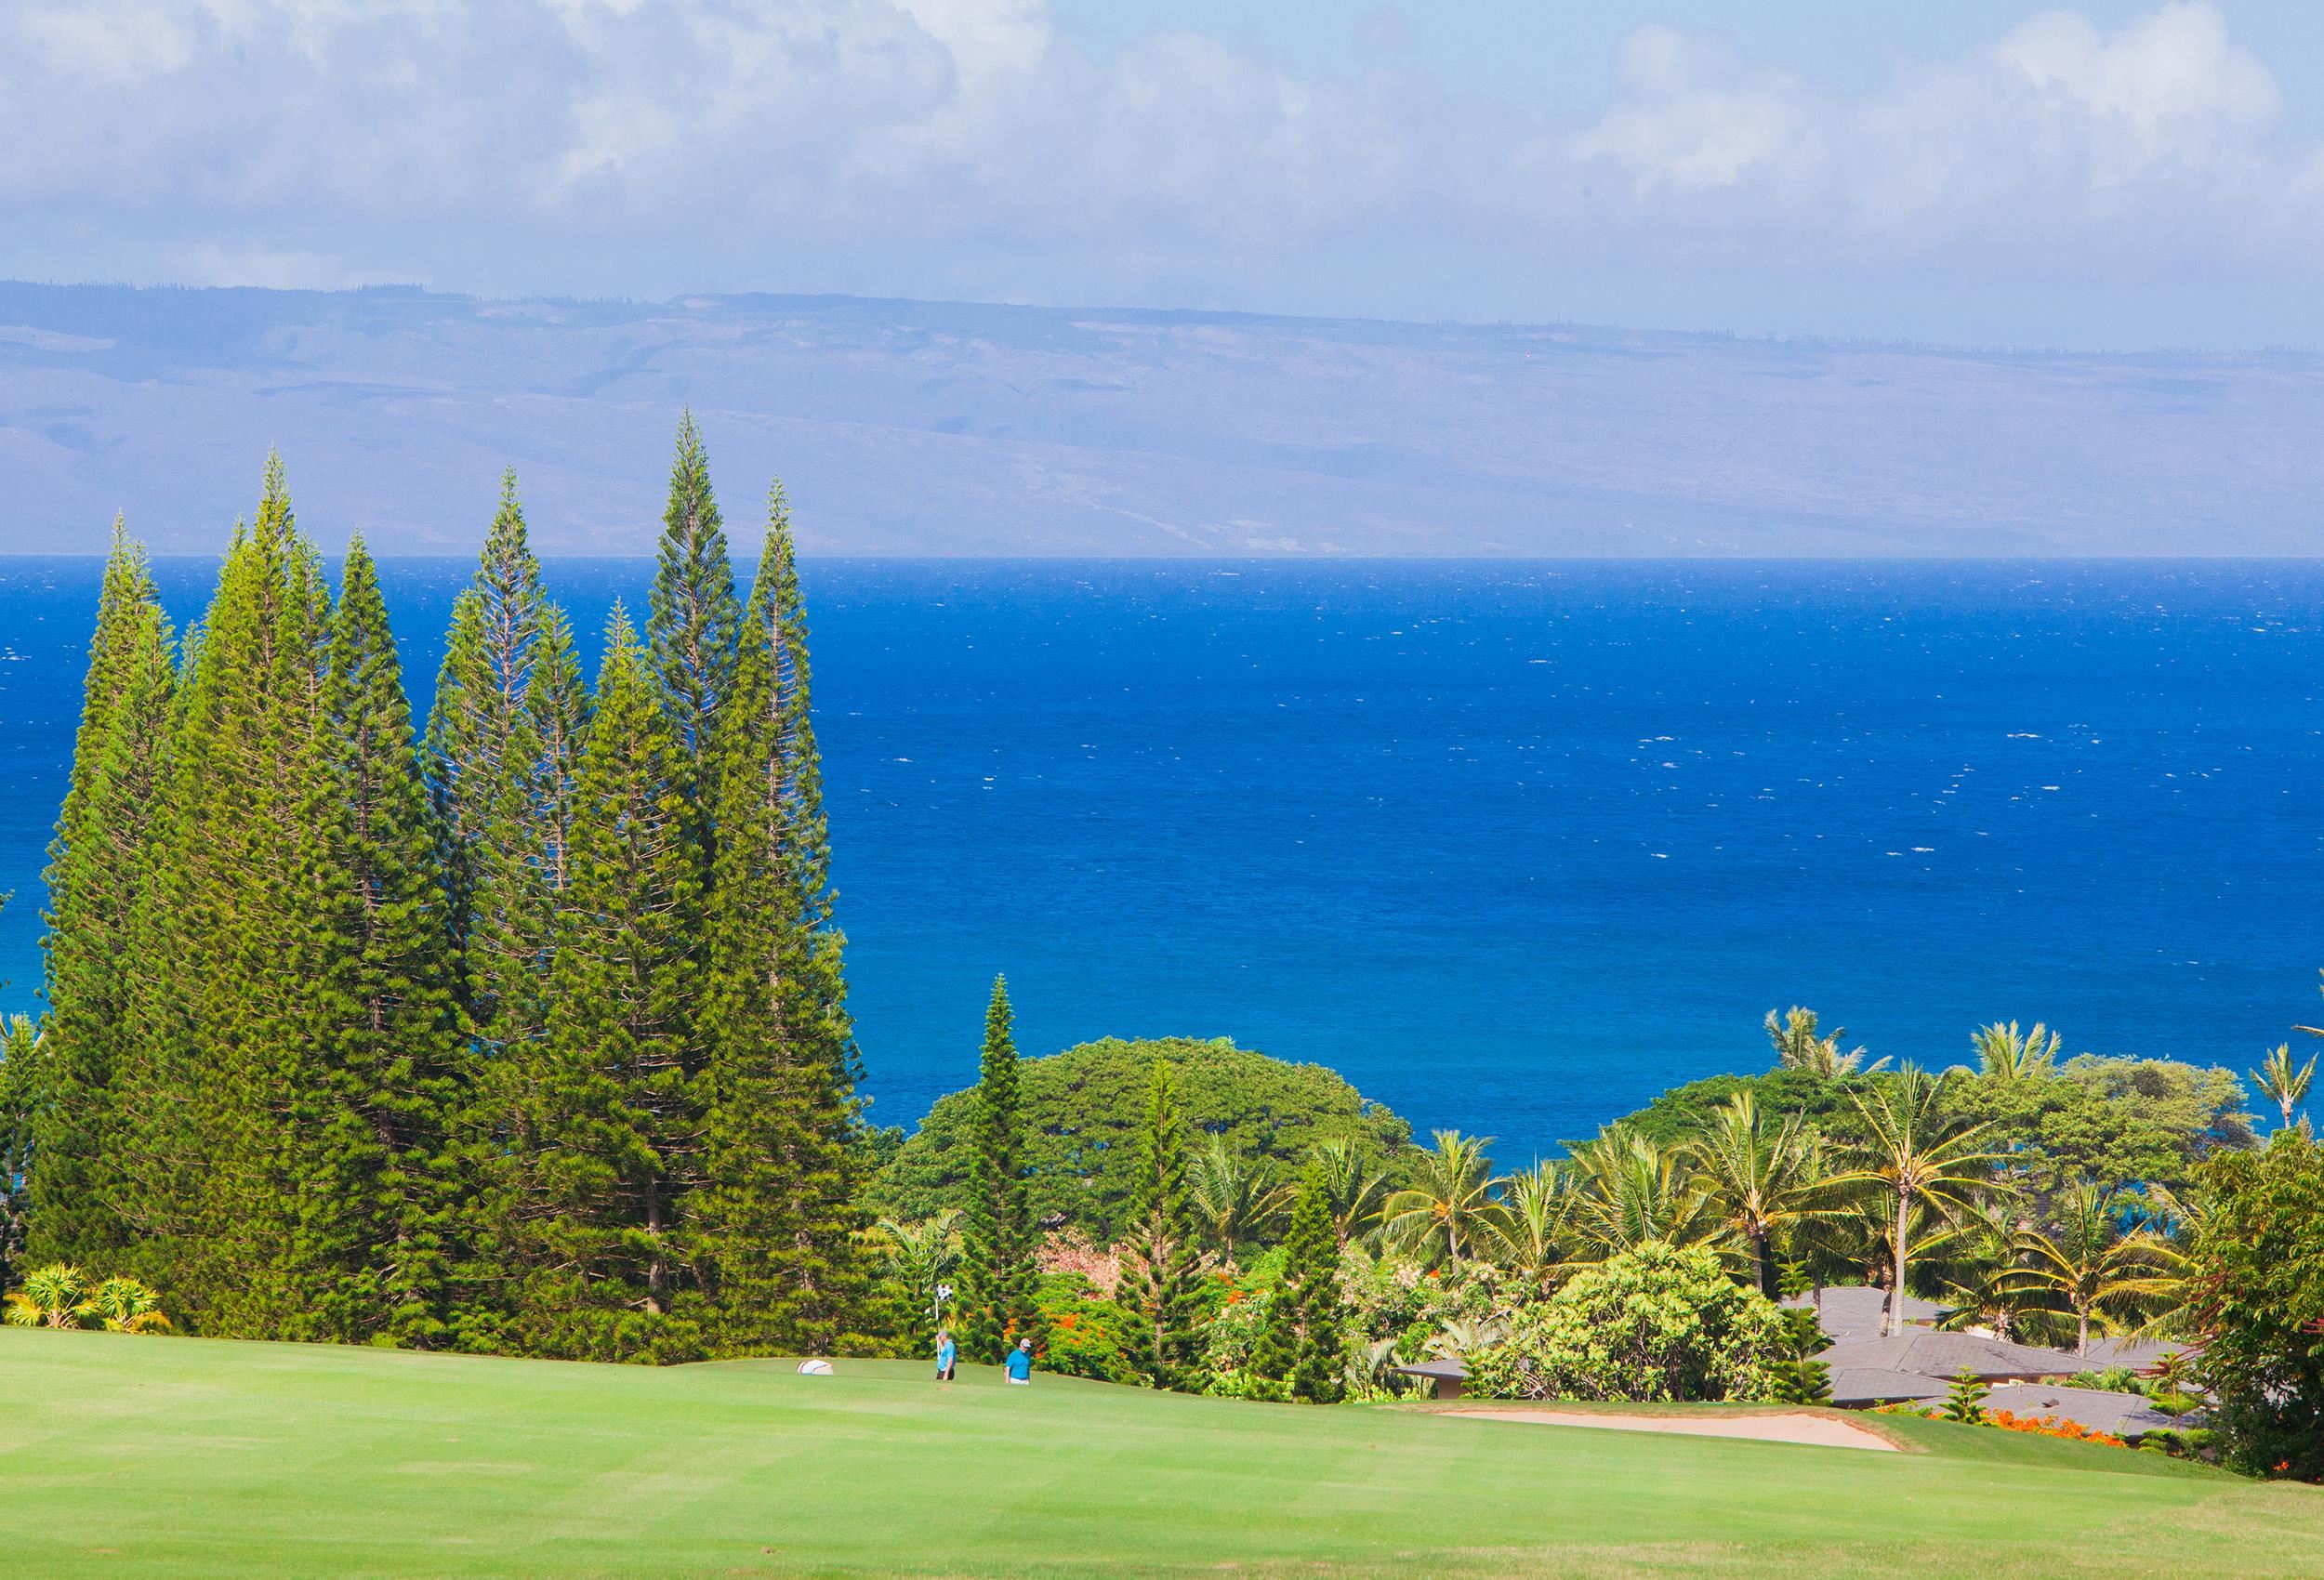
[2008, 1056]
[1235, 1200]
[2282, 1084]
[1529, 1231]
[1914, 1157]
[128, 1305]
[1760, 1177]
[1627, 1190]
[1354, 1189]
[1979, 1257]
[2174, 1309]
[1450, 1202]
[1797, 1045]
[2091, 1267]
[55, 1295]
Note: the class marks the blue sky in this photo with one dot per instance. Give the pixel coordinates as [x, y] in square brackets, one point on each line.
[2112, 175]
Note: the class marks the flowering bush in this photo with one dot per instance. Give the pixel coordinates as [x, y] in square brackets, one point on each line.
[1087, 1336]
[2009, 1421]
[2050, 1427]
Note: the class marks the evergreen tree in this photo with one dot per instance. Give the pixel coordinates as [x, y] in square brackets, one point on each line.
[1965, 1401]
[1161, 1275]
[486, 761]
[996, 1259]
[211, 1139]
[693, 619]
[393, 1063]
[614, 1114]
[778, 1220]
[23, 1083]
[95, 878]
[557, 710]
[503, 745]
[1302, 1351]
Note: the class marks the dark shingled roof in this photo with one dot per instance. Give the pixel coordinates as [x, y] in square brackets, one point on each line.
[1852, 1311]
[1928, 1353]
[1876, 1385]
[2138, 1354]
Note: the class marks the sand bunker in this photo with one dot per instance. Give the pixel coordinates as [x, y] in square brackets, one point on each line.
[1821, 1430]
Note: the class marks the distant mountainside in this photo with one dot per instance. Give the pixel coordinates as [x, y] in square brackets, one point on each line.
[919, 427]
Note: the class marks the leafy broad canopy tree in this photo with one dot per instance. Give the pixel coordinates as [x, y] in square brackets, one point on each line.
[1658, 1324]
[2258, 1249]
[1083, 1110]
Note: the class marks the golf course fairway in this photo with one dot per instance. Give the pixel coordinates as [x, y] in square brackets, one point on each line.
[177, 1456]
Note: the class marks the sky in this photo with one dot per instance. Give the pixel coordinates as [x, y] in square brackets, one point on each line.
[2110, 175]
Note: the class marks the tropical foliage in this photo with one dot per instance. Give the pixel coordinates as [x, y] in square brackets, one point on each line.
[59, 1296]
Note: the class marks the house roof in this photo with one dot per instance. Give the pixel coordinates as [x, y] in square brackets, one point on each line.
[1928, 1353]
[2138, 1354]
[1878, 1385]
[1852, 1312]
[1451, 1370]
[2124, 1415]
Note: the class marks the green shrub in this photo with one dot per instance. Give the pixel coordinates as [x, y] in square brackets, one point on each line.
[1655, 1324]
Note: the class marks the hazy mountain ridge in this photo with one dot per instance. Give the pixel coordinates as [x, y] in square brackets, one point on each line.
[909, 427]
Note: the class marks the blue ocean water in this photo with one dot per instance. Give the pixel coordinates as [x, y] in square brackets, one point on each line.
[1513, 846]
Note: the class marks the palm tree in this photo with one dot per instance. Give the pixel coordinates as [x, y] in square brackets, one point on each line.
[1451, 1201]
[1797, 1046]
[919, 1254]
[1627, 1190]
[52, 1296]
[1531, 1225]
[2279, 1083]
[128, 1305]
[1981, 1258]
[1234, 1200]
[2174, 1309]
[2005, 1055]
[2091, 1266]
[1760, 1179]
[1354, 1190]
[1917, 1158]
[1458, 1335]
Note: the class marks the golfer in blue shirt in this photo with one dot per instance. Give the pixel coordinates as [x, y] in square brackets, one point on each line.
[947, 1354]
[1021, 1363]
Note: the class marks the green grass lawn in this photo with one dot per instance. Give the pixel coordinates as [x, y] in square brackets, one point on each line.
[167, 1457]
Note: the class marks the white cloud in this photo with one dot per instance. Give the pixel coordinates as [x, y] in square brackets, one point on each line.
[821, 123]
